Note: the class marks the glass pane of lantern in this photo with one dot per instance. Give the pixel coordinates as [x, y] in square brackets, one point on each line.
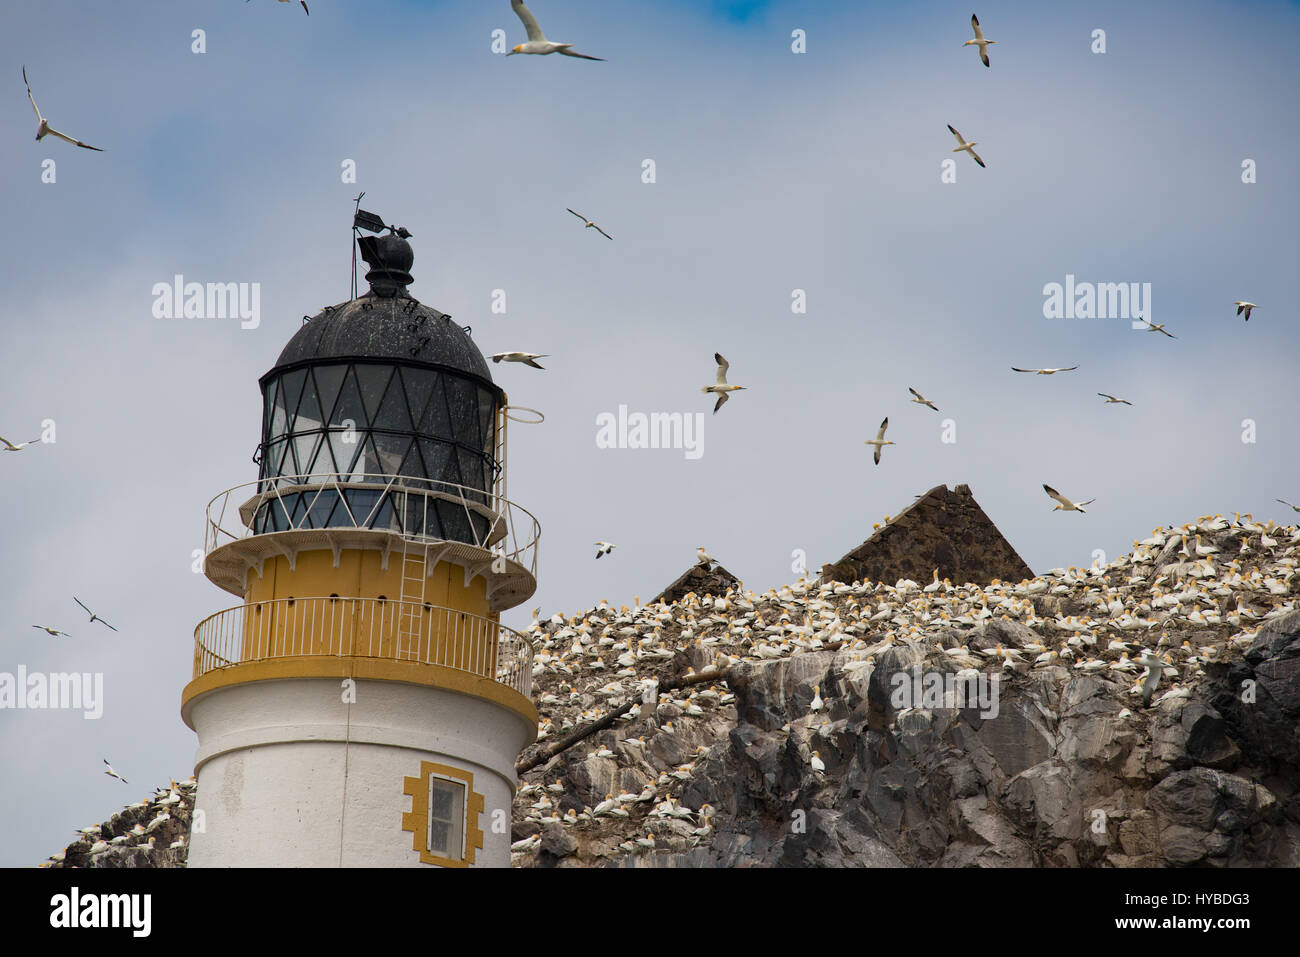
[268, 403]
[292, 387]
[393, 413]
[373, 380]
[464, 415]
[436, 456]
[309, 416]
[471, 469]
[486, 416]
[304, 449]
[391, 450]
[279, 422]
[419, 388]
[328, 381]
[435, 420]
[348, 407]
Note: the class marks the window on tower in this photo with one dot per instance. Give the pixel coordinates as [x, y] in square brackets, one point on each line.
[446, 830]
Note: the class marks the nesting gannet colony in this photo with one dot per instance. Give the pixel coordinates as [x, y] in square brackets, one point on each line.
[785, 709]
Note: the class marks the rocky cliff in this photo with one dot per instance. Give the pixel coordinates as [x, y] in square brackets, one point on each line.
[825, 745]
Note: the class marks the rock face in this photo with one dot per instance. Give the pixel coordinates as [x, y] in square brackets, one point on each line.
[152, 849]
[944, 530]
[702, 580]
[833, 727]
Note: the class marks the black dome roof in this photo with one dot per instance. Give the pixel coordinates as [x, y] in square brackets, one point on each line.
[399, 329]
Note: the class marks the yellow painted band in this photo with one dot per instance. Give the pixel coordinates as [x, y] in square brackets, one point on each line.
[376, 669]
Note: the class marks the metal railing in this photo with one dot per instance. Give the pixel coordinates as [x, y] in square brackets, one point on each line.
[419, 510]
[364, 628]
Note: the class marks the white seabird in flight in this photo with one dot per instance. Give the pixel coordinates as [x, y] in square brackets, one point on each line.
[1066, 505]
[922, 400]
[1157, 327]
[16, 447]
[93, 617]
[590, 224]
[720, 387]
[604, 548]
[1243, 306]
[1111, 400]
[113, 774]
[968, 147]
[1294, 508]
[537, 42]
[979, 41]
[44, 129]
[879, 441]
[1045, 371]
[527, 358]
[52, 632]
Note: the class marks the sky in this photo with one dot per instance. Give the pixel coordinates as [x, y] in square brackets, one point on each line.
[775, 172]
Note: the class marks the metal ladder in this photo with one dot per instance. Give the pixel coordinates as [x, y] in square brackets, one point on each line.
[415, 575]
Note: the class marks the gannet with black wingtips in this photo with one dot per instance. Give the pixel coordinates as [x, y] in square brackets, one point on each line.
[879, 441]
[720, 387]
[979, 40]
[968, 147]
[1065, 504]
[44, 129]
[537, 42]
[589, 223]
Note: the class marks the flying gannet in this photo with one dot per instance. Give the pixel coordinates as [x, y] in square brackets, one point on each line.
[44, 129]
[93, 617]
[1294, 508]
[980, 42]
[53, 632]
[1066, 505]
[1111, 400]
[527, 358]
[1045, 371]
[16, 446]
[968, 147]
[879, 441]
[922, 400]
[590, 224]
[604, 548]
[113, 774]
[1157, 327]
[721, 388]
[537, 42]
[1244, 307]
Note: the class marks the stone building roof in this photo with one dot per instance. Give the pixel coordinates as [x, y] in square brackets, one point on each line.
[942, 529]
[699, 579]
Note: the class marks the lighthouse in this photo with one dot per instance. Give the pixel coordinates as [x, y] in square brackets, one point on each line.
[363, 705]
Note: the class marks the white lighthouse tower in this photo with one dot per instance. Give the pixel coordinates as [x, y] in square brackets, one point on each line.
[363, 705]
